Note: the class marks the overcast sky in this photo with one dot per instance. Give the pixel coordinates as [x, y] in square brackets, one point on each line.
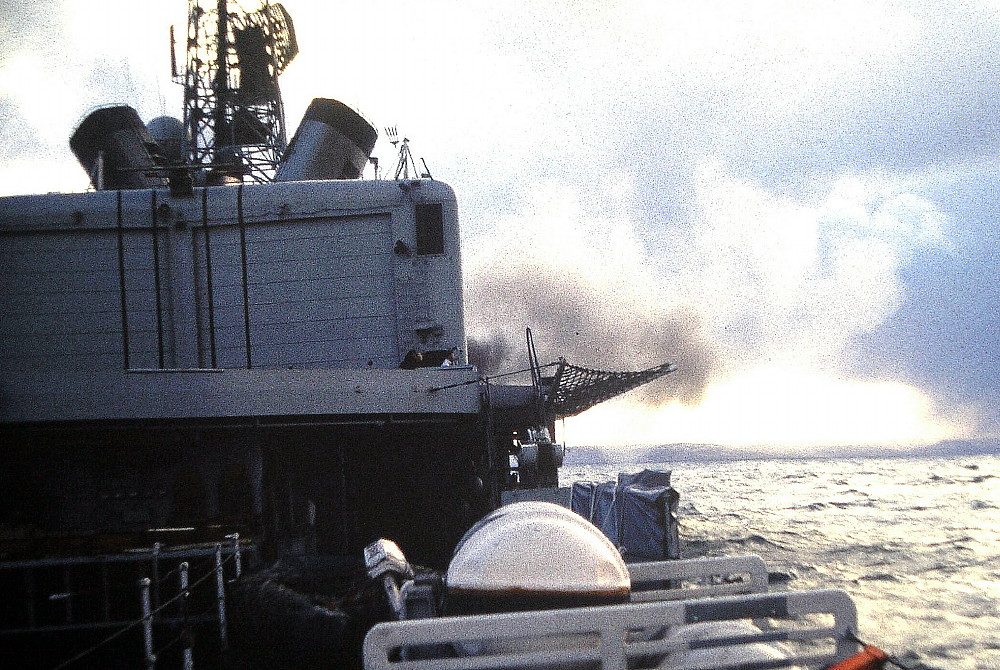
[795, 202]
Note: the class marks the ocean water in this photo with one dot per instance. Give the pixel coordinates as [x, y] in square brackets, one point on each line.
[914, 541]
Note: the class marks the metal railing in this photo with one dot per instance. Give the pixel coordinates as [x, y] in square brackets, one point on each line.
[814, 628]
[688, 579]
[178, 589]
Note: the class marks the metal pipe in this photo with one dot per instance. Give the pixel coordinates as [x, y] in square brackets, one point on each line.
[156, 281]
[147, 623]
[121, 281]
[173, 54]
[237, 558]
[99, 171]
[221, 84]
[208, 276]
[220, 588]
[156, 574]
[188, 662]
[89, 560]
[189, 138]
[257, 423]
[246, 283]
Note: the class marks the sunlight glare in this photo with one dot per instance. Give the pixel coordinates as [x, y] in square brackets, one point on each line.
[771, 406]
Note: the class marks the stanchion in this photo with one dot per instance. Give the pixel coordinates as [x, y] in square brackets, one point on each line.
[186, 631]
[147, 623]
[220, 584]
[235, 537]
[157, 547]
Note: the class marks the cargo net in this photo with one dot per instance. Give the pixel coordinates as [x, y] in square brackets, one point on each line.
[575, 389]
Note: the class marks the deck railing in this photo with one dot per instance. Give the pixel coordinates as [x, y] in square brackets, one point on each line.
[164, 592]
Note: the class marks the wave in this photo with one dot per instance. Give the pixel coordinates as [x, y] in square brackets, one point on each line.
[879, 577]
[913, 540]
[756, 540]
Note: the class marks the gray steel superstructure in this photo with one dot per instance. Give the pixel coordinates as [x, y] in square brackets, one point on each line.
[192, 339]
[179, 368]
[191, 356]
[185, 363]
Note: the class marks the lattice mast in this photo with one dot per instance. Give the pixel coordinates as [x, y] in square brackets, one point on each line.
[233, 112]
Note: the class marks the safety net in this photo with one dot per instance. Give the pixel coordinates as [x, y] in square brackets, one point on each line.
[575, 389]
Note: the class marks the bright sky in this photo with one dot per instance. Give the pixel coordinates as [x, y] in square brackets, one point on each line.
[793, 202]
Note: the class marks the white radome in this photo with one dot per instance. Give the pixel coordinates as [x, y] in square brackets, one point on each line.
[537, 547]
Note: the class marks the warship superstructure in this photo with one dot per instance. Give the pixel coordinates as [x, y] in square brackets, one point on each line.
[230, 340]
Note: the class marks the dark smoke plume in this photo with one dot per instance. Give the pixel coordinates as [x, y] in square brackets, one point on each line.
[569, 318]
[492, 354]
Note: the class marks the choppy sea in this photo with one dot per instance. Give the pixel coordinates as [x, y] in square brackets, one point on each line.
[914, 541]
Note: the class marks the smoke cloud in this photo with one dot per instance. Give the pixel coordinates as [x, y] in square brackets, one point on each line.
[573, 266]
[572, 319]
[753, 284]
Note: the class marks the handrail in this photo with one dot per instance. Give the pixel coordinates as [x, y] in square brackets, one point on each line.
[152, 611]
[616, 637]
[664, 580]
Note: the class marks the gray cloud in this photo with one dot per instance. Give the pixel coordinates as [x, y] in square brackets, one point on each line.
[30, 26]
[18, 137]
[569, 318]
[944, 335]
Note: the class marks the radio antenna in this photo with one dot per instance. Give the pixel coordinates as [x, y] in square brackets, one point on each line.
[404, 160]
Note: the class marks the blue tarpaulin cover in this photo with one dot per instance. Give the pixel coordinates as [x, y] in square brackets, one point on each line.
[638, 513]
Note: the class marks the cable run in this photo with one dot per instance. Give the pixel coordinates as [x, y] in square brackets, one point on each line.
[487, 379]
[138, 622]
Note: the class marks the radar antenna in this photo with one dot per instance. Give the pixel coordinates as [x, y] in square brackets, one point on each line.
[233, 112]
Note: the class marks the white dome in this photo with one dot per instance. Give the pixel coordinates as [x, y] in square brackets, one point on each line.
[168, 133]
[537, 548]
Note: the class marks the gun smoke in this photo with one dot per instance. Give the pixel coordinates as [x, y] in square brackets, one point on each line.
[571, 319]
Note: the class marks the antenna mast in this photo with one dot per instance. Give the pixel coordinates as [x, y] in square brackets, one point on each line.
[233, 112]
[405, 160]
